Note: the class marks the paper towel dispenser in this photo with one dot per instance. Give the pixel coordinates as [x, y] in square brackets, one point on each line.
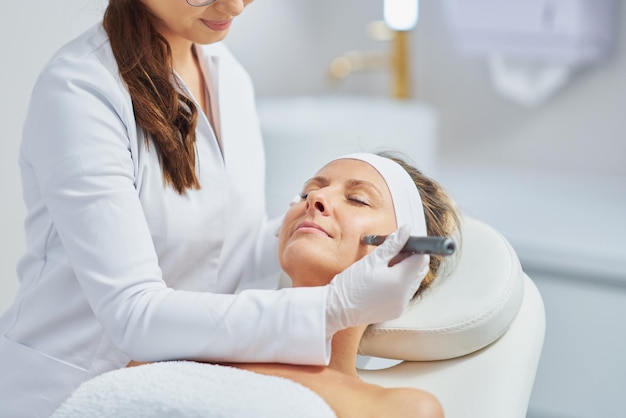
[533, 47]
[564, 30]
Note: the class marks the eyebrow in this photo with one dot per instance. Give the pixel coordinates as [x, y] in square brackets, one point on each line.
[350, 184]
[318, 180]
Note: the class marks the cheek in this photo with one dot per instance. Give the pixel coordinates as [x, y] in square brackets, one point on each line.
[353, 250]
[286, 229]
[354, 227]
[282, 245]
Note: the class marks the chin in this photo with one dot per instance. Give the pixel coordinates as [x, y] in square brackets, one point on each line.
[305, 268]
[311, 261]
[211, 38]
[309, 277]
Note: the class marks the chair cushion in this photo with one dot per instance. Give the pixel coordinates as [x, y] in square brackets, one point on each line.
[461, 313]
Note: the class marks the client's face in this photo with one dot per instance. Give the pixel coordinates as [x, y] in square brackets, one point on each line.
[321, 234]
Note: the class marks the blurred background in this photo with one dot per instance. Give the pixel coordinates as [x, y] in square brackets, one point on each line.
[517, 107]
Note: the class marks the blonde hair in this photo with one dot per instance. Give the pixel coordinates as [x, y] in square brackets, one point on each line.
[442, 218]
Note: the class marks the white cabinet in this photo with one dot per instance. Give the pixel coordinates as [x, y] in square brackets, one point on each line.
[582, 372]
[569, 231]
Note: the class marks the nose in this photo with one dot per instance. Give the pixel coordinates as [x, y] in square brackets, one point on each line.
[316, 201]
[230, 7]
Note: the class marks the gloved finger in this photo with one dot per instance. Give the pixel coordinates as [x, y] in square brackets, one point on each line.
[399, 257]
[393, 243]
[414, 268]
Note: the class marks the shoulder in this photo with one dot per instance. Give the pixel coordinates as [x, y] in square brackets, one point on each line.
[86, 62]
[80, 83]
[350, 396]
[408, 402]
[92, 47]
[83, 72]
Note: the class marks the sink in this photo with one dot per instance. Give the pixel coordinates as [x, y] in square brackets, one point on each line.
[302, 133]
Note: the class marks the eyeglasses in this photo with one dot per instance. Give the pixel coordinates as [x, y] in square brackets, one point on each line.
[200, 3]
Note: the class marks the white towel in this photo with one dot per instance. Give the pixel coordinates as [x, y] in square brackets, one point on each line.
[189, 389]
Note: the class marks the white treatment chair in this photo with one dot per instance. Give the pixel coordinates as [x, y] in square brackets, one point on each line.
[473, 340]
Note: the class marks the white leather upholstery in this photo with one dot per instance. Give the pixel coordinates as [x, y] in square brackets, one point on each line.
[492, 354]
[461, 313]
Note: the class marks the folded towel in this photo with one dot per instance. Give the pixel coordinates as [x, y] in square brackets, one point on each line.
[190, 389]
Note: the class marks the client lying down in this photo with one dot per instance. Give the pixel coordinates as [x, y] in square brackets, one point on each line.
[353, 196]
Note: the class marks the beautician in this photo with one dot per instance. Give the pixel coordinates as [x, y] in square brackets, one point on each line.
[146, 236]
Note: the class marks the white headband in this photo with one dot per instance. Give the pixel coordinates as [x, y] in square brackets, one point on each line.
[405, 195]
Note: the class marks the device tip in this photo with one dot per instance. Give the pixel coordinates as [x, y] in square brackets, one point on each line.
[373, 239]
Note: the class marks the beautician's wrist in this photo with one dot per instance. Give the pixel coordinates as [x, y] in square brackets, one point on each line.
[335, 317]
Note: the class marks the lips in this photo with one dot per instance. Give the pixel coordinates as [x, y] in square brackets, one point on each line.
[217, 25]
[311, 225]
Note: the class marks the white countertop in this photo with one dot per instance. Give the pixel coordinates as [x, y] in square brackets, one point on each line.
[573, 224]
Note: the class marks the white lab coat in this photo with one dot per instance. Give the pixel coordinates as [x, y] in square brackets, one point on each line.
[107, 243]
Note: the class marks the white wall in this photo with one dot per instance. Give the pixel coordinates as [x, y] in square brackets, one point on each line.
[580, 129]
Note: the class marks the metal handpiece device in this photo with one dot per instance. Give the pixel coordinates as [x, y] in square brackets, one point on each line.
[418, 245]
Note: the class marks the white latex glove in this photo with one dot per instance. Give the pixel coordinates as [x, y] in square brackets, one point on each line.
[369, 291]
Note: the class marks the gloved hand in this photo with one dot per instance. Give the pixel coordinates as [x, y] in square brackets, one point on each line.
[369, 291]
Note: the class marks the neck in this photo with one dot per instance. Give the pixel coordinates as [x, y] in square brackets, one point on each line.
[345, 346]
[184, 57]
[181, 48]
[345, 343]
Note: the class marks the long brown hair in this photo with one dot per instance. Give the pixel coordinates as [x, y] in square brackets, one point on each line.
[442, 217]
[167, 117]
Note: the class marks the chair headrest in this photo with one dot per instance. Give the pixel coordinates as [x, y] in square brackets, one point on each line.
[460, 313]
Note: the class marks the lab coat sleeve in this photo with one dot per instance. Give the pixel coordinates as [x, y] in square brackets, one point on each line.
[264, 272]
[76, 140]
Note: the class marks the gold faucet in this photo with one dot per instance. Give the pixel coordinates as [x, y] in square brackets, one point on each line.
[396, 61]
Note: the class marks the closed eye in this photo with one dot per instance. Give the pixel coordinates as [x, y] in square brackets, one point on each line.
[358, 200]
[311, 185]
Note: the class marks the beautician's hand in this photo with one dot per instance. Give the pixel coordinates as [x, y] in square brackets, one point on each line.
[369, 291]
